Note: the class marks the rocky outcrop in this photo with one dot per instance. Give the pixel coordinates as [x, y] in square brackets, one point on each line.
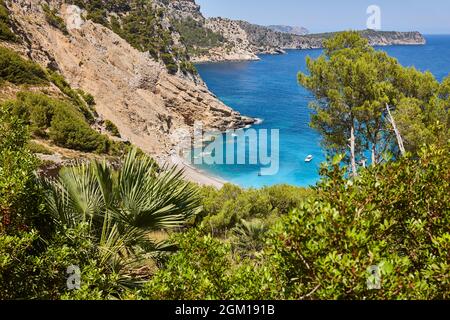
[135, 91]
[244, 41]
[181, 9]
[236, 47]
[300, 31]
[375, 38]
[130, 88]
[262, 37]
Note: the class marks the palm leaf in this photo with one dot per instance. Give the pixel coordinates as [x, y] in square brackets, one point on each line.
[122, 206]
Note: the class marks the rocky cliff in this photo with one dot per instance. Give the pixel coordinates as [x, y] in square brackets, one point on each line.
[134, 57]
[300, 31]
[240, 40]
[262, 39]
[131, 88]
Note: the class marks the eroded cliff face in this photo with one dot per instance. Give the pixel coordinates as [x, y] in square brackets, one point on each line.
[244, 41]
[130, 88]
[236, 47]
[181, 9]
[262, 39]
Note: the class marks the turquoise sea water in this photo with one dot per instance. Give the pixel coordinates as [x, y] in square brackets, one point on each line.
[268, 90]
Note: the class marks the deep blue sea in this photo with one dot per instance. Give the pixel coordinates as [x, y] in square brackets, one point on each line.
[268, 89]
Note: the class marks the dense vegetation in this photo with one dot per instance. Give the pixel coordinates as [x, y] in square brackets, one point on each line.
[5, 24]
[324, 248]
[137, 231]
[58, 120]
[16, 70]
[77, 220]
[140, 23]
[225, 209]
[196, 37]
[65, 121]
[366, 97]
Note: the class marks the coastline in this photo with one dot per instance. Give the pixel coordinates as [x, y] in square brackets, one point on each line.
[254, 55]
[201, 177]
[196, 175]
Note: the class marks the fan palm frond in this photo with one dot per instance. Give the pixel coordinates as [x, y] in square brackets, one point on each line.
[122, 206]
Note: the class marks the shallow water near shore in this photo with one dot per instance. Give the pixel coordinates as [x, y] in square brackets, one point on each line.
[268, 90]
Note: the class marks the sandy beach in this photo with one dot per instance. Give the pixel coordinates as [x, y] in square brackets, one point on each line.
[195, 175]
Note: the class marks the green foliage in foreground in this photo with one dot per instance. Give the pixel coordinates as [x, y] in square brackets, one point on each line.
[94, 217]
[121, 207]
[19, 194]
[31, 269]
[213, 274]
[394, 216]
[17, 70]
[5, 30]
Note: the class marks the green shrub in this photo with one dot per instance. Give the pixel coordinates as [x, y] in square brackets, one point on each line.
[38, 148]
[284, 198]
[187, 67]
[98, 16]
[249, 238]
[112, 128]
[77, 99]
[18, 191]
[394, 216]
[68, 129]
[224, 209]
[51, 15]
[6, 34]
[170, 63]
[60, 120]
[29, 270]
[88, 98]
[213, 274]
[15, 69]
[199, 278]
[195, 35]
[5, 30]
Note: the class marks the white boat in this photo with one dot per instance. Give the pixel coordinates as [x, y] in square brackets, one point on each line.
[309, 158]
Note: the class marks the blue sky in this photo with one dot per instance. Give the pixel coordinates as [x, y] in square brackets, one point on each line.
[426, 16]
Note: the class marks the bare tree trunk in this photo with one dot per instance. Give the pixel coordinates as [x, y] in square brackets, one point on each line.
[401, 146]
[352, 152]
[374, 155]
